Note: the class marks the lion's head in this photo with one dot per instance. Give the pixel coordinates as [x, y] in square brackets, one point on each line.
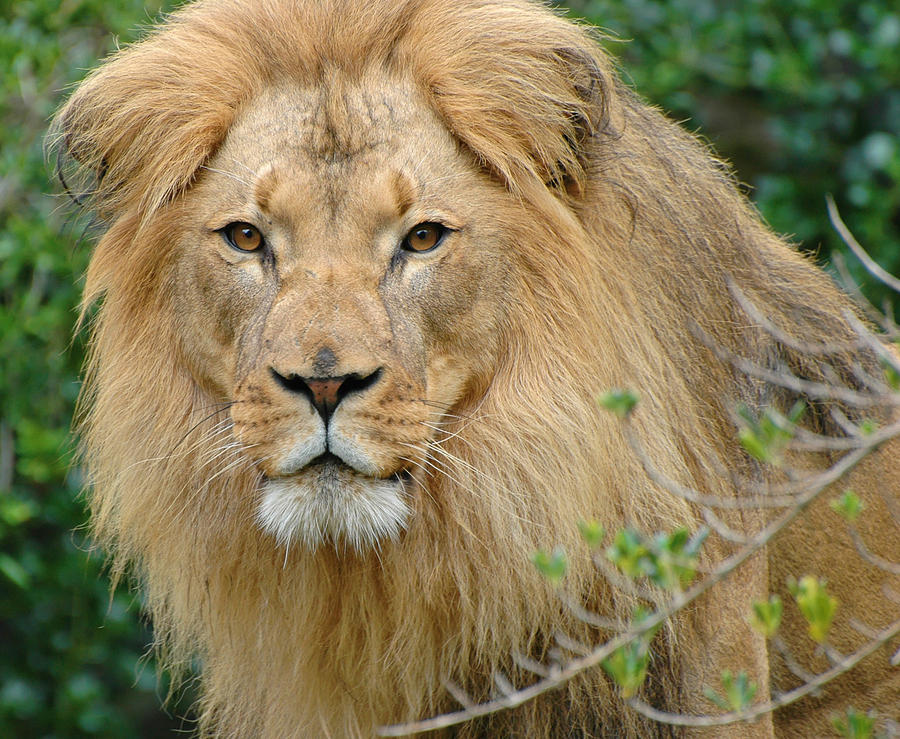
[366, 266]
[338, 278]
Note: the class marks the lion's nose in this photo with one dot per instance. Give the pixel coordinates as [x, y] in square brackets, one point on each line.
[326, 393]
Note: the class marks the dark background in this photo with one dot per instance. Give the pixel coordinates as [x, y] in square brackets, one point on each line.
[803, 96]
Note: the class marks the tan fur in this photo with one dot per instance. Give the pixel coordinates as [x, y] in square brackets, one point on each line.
[589, 234]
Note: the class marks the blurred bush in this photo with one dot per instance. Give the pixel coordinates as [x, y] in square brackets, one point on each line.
[71, 663]
[802, 95]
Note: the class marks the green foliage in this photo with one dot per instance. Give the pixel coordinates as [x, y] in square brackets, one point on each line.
[855, 725]
[739, 692]
[71, 662]
[868, 427]
[817, 607]
[628, 665]
[766, 616]
[803, 97]
[552, 565]
[620, 402]
[668, 560]
[765, 438]
[592, 533]
[891, 375]
[848, 505]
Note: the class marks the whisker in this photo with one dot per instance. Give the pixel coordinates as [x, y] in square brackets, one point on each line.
[225, 173]
[241, 164]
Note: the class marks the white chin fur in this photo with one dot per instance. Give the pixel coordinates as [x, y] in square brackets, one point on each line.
[326, 505]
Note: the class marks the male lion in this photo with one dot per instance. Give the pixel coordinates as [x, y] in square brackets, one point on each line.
[366, 266]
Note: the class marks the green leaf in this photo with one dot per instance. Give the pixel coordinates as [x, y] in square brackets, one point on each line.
[669, 560]
[620, 402]
[754, 446]
[855, 725]
[630, 554]
[766, 616]
[847, 505]
[676, 557]
[739, 692]
[14, 571]
[817, 607]
[553, 565]
[628, 666]
[15, 512]
[765, 438]
[891, 375]
[592, 532]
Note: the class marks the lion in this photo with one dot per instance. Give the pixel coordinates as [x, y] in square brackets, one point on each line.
[364, 269]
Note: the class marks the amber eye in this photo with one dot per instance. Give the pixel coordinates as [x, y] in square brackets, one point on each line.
[242, 236]
[424, 237]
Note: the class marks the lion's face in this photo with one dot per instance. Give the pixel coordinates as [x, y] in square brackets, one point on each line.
[339, 287]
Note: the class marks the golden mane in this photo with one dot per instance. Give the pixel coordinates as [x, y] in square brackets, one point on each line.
[634, 236]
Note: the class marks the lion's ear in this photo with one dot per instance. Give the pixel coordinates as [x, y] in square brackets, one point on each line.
[523, 89]
[147, 119]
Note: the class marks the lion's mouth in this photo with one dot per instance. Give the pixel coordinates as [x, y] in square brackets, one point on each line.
[332, 465]
[330, 502]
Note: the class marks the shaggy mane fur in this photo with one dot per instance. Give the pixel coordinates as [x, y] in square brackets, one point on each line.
[648, 231]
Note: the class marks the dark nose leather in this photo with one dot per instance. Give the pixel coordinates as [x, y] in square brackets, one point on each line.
[326, 393]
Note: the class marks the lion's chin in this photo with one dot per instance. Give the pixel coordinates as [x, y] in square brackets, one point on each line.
[332, 504]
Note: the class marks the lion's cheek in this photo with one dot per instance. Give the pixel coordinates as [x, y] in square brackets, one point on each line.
[462, 318]
[210, 314]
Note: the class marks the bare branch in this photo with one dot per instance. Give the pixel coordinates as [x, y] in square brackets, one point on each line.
[808, 388]
[694, 496]
[790, 661]
[721, 529]
[571, 645]
[503, 684]
[882, 319]
[749, 307]
[833, 655]
[460, 695]
[589, 617]
[862, 255]
[783, 699]
[532, 665]
[873, 342]
[864, 629]
[870, 557]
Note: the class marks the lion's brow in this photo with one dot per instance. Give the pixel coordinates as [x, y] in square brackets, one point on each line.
[264, 183]
[404, 191]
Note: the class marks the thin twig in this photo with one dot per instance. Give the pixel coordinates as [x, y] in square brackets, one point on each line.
[804, 347]
[589, 617]
[852, 289]
[809, 388]
[790, 661]
[721, 529]
[873, 559]
[783, 699]
[694, 496]
[872, 267]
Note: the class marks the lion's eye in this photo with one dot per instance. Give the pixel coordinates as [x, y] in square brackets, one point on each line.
[424, 237]
[242, 236]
